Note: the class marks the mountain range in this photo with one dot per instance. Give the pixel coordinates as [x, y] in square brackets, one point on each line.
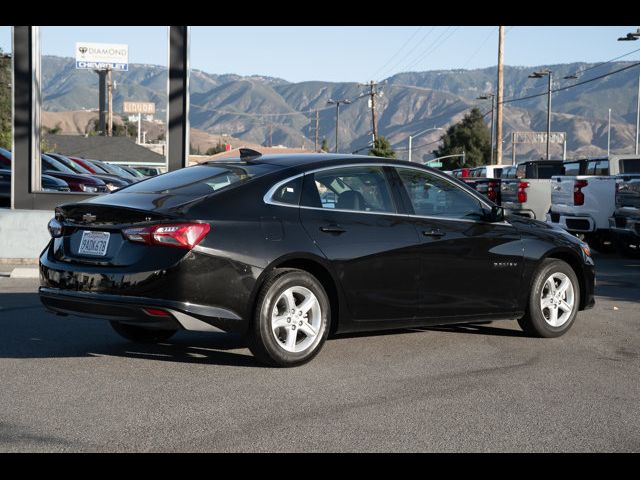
[263, 110]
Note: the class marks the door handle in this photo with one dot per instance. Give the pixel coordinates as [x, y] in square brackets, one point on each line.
[335, 229]
[434, 232]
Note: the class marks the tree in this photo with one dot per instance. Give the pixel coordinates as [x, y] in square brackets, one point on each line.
[5, 101]
[382, 148]
[325, 145]
[471, 136]
[220, 147]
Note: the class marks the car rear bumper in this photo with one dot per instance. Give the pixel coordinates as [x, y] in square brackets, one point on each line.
[572, 223]
[178, 315]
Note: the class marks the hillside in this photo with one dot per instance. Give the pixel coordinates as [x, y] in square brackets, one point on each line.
[260, 110]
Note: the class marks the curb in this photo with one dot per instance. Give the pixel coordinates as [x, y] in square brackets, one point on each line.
[23, 272]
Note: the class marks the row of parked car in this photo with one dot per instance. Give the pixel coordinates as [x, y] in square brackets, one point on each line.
[65, 173]
[597, 199]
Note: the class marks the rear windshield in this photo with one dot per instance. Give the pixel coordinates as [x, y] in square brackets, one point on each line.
[549, 170]
[598, 167]
[199, 180]
[631, 165]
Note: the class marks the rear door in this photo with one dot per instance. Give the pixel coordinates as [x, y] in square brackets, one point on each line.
[469, 266]
[351, 213]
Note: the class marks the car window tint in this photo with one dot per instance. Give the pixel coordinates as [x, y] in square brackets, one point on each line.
[363, 189]
[521, 171]
[289, 193]
[572, 168]
[548, 170]
[433, 196]
[602, 167]
[630, 165]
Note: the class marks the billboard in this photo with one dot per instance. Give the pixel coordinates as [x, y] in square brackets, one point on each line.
[139, 107]
[101, 56]
[539, 137]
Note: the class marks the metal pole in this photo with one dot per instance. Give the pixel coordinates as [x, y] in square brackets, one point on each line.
[513, 149]
[410, 147]
[499, 96]
[139, 127]
[609, 135]
[102, 108]
[109, 102]
[493, 124]
[638, 117]
[337, 122]
[564, 148]
[549, 114]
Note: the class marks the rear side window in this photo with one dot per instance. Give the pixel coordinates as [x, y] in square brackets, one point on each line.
[497, 173]
[289, 193]
[572, 169]
[630, 165]
[548, 170]
[362, 188]
[199, 180]
[521, 171]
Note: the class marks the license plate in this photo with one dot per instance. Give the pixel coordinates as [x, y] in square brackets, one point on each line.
[94, 243]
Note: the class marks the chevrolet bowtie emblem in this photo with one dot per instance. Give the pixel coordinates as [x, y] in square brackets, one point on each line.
[88, 218]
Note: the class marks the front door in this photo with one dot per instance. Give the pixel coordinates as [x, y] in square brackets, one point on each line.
[470, 266]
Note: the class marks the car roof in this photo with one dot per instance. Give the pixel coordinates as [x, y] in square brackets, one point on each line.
[311, 160]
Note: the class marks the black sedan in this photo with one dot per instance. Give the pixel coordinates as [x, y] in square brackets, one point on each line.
[287, 249]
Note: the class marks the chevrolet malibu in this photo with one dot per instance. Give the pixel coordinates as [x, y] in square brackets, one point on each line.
[288, 249]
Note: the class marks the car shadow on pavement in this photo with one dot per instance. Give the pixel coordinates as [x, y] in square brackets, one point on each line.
[28, 331]
[473, 328]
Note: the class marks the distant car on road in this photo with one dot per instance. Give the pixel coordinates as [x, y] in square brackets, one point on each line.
[256, 245]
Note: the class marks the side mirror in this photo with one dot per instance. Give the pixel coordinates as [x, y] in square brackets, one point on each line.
[497, 214]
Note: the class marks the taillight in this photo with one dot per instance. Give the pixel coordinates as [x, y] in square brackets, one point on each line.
[156, 312]
[578, 196]
[56, 229]
[181, 235]
[492, 191]
[522, 194]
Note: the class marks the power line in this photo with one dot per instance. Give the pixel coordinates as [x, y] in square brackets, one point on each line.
[510, 100]
[480, 47]
[605, 63]
[434, 47]
[397, 52]
[427, 50]
[392, 68]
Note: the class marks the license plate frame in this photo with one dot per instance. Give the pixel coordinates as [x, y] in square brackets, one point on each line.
[94, 244]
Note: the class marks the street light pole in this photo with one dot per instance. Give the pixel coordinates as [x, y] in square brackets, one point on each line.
[491, 96]
[549, 74]
[411, 137]
[609, 135]
[337, 104]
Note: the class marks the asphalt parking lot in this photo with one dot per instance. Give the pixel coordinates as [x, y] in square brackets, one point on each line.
[71, 384]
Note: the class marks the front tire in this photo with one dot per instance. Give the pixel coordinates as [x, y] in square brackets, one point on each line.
[554, 300]
[138, 334]
[291, 321]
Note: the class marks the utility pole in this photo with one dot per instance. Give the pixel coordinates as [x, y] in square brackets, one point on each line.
[337, 104]
[372, 94]
[549, 114]
[109, 102]
[270, 135]
[499, 96]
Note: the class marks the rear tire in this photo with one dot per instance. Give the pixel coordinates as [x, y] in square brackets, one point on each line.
[553, 304]
[291, 320]
[138, 334]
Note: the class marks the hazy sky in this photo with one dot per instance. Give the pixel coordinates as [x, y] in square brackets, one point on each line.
[349, 53]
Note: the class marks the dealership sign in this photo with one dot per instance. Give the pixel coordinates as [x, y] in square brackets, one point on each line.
[139, 107]
[101, 56]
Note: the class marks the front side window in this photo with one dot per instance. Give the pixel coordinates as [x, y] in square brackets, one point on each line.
[362, 188]
[433, 196]
[630, 165]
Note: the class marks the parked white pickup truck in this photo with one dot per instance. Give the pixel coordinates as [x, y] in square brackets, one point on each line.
[529, 193]
[583, 198]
